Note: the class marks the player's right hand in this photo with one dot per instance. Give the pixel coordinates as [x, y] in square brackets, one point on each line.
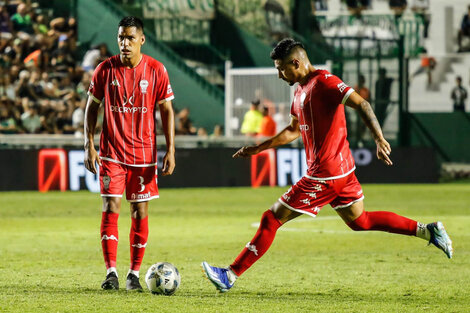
[246, 151]
[91, 157]
[383, 151]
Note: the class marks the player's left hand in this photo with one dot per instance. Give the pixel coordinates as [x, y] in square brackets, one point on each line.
[246, 151]
[383, 151]
[168, 164]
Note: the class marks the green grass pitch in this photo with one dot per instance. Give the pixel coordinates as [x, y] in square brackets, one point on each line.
[50, 254]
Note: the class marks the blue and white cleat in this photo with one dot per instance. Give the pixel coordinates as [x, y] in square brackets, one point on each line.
[218, 276]
[440, 239]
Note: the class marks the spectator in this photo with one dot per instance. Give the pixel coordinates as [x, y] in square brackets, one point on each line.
[22, 20]
[6, 26]
[464, 30]
[428, 63]
[31, 120]
[420, 9]
[40, 26]
[218, 131]
[398, 7]
[8, 124]
[95, 56]
[459, 95]
[356, 7]
[184, 125]
[383, 87]
[252, 120]
[268, 125]
[202, 132]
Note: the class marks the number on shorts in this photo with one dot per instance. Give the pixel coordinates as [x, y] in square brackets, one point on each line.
[141, 183]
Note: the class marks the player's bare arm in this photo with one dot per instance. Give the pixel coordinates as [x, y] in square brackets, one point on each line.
[168, 121]
[91, 116]
[368, 116]
[288, 134]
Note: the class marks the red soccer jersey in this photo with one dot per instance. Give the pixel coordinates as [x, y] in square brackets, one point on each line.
[318, 107]
[130, 98]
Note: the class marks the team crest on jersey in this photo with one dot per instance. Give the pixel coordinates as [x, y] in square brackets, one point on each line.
[302, 99]
[143, 85]
[106, 181]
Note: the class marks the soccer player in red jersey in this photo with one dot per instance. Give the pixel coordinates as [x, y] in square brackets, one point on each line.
[128, 85]
[317, 114]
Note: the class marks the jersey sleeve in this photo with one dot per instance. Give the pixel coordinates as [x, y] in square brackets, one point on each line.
[292, 110]
[164, 90]
[336, 89]
[96, 89]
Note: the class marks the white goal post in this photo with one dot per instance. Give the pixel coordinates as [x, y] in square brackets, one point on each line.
[244, 85]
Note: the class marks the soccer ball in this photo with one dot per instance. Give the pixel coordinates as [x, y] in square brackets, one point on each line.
[163, 278]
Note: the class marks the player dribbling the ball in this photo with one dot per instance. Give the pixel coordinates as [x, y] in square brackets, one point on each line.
[129, 86]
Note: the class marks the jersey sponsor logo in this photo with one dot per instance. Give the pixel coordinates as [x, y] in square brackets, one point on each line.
[124, 109]
[106, 181]
[139, 245]
[169, 90]
[328, 76]
[106, 237]
[115, 82]
[143, 85]
[342, 87]
[92, 84]
[252, 248]
[304, 127]
[115, 108]
[141, 196]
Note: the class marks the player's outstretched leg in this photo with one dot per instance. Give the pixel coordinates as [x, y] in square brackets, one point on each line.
[359, 220]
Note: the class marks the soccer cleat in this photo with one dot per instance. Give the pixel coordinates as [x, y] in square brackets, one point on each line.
[217, 276]
[133, 283]
[111, 282]
[440, 239]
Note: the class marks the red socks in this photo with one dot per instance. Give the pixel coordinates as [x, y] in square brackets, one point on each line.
[138, 241]
[258, 245]
[109, 237]
[384, 221]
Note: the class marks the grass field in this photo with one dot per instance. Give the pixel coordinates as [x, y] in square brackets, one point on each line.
[51, 257]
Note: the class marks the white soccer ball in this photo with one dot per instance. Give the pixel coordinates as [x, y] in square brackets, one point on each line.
[163, 278]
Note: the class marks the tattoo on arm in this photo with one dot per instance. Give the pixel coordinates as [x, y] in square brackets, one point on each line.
[369, 118]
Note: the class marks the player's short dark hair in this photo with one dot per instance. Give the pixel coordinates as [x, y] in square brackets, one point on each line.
[132, 21]
[284, 48]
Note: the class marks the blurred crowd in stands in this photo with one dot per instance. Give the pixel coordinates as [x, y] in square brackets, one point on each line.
[42, 89]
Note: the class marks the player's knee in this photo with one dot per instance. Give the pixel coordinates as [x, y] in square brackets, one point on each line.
[269, 220]
[139, 210]
[111, 205]
[361, 223]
